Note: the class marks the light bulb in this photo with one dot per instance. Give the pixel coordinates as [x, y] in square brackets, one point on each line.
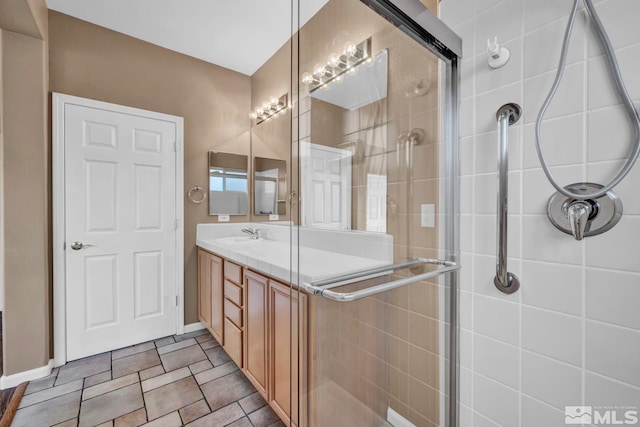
[318, 70]
[307, 78]
[274, 101]
[334, 59]
[266, 106]
[258, 111]
[350, 49]
[253, 116]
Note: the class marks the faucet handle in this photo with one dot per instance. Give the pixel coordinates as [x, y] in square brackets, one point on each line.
[578, 213]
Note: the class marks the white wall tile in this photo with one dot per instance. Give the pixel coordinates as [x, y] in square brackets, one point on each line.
[466, 271]
[613, 297]
[495, 401]
[456, 12]
[466, 195]
[537, 414]
[497, 360]
[485, 192]
[552, 286]
[503, 20]
[609, 134]
[614, 249]
[538, 189]
[467, 112]
[487, 151]
[562, 141]
[539, 372]
[545, 243]
[613, 351]
[466, 232]
[552, 334]
[601, 391]
[601, 90]
[466, 348]
[487, 105]
[466, 310]
[466, 386]
[485, 235]
[620, 20]
[497, 319]
[488, 78]
[482, 421]
[627, 189]
[540, 12]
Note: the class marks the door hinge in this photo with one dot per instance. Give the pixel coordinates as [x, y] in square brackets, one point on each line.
[177, 300]
[176, 223]
[175, 146]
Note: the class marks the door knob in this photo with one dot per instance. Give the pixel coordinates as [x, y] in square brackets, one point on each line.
[76, 246]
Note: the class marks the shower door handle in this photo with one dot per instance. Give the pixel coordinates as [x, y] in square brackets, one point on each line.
[323, 287]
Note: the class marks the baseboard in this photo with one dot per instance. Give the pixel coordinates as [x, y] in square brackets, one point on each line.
[8, 381]
[192, 327]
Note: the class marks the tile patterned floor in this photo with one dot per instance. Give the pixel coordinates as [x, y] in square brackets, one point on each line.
[174, 381]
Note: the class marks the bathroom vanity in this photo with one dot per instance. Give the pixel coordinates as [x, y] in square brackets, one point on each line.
[249, 299]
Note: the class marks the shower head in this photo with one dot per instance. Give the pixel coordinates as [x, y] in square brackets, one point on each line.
[414, 136]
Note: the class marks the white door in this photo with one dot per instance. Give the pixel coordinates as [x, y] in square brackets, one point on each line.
[120, 205]
[326, 197]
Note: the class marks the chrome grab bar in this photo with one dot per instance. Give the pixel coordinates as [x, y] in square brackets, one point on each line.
[323, 287]
[507, 115]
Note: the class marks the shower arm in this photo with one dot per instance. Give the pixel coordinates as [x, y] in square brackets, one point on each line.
[506, 282]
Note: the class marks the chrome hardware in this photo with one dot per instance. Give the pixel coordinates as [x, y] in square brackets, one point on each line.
[197, 189]
[76, 246]
[584, 218]
[507, 115]
[254, 233]
[323, 287]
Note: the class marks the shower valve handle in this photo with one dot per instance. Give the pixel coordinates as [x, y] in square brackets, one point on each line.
[578, 213]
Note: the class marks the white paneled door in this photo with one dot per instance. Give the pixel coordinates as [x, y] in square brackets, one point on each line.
[121, 226]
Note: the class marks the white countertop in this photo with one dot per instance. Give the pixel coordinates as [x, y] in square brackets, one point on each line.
[273, 254]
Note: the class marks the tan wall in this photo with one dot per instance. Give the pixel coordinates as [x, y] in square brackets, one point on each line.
[25, 197]
[97, 63]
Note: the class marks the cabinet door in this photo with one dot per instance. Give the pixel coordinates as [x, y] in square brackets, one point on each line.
[288, 371]
[217, 299]
[255, 330]
[204, 287]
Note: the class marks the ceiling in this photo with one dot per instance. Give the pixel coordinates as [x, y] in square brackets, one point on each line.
[237, 34]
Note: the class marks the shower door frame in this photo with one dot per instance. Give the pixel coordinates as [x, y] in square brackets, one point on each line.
[415, 20]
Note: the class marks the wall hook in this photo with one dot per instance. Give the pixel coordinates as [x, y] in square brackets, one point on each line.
[498, 56]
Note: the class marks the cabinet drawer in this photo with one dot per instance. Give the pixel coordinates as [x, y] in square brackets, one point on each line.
[233, 342]
[232, 272]
[233, 312]
[233, 292]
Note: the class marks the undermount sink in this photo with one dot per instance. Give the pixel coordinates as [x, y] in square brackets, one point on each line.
[236, 240]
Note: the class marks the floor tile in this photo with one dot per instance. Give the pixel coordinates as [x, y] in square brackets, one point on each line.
[106, 424]
[68, 423]
[252, 402]
[176, 346]
[227, 389]
[134, 349]
[200, 366]
[278, 423]
[194, 411]
[39, 385]
[263, 417]
[84, 368]
[215, 373]
[183, 357]
[218, 356]
[151, 372]
[165, 379]
[242, 422]
[221, 417]
[190, 335]
[49, 412]
[97, 379]
[132, 419]
[164, 341]
[111, 405]
[50, 393]
[209, 344]
[204, 337]
[171, 397]
[135, 362]
[169, 420]
[106, 387]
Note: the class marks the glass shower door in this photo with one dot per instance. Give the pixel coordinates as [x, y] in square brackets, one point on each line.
[375, 244]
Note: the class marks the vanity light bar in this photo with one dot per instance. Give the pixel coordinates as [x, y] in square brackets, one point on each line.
[351, 57]
[270, 109]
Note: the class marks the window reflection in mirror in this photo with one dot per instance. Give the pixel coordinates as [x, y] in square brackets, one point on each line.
[228, 194]
[270, 186]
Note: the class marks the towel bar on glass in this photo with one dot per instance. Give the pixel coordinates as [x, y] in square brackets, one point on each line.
[323, 287]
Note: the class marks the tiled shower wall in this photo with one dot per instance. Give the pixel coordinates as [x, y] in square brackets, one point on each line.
[571, 335]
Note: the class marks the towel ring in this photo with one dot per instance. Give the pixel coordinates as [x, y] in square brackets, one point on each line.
[197, 189]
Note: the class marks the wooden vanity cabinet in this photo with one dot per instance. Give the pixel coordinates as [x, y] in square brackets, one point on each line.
[210, 303]
[256, 345]
[233, 313]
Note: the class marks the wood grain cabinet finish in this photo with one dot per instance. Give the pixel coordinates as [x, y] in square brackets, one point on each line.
[233, 308]
[210, 303]
[287, 315]
[256, 349]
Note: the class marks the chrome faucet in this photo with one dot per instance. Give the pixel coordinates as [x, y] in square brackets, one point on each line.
[254, 233]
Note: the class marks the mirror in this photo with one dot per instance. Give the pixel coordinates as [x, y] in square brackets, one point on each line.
[269, 186]
[228, 193]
